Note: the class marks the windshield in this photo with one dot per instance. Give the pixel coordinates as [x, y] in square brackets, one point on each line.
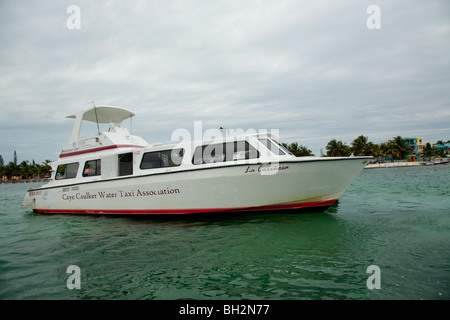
[275, 147]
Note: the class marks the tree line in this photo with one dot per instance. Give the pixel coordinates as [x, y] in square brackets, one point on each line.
[396, 148]
[24, 169]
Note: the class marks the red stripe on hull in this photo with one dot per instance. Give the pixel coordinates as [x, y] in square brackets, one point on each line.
[115, 146]
[187, 211]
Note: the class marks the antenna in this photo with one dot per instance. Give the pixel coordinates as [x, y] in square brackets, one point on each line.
[227, 133]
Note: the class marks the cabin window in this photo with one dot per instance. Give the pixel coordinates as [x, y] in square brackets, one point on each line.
[67, 171]
[92, 168]
[221, 152]
[125, 164]
[162, 159]
[275, 147]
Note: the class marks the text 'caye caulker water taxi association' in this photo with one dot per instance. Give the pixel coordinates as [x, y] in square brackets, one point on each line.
[115, 172]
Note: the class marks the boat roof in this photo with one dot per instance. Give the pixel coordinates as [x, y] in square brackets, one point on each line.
[98, 114]
[103, 114]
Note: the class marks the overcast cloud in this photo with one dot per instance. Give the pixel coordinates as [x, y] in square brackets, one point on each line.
[311, 69]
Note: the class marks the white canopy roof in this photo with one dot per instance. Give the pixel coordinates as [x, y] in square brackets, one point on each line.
[98, 114]
[103, 114]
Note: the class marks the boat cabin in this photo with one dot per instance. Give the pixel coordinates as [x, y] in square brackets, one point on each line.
[117, 153]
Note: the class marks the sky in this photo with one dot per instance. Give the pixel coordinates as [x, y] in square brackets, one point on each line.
[311, 70]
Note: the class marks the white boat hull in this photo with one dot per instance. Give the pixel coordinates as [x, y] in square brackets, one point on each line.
[244, 187]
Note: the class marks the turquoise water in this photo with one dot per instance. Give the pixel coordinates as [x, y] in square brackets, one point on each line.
[395, 218]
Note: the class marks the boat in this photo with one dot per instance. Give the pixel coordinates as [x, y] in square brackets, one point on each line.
[437, 161]
[114, 172]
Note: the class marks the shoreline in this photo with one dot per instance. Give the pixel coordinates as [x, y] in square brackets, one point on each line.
[13, 181]
[400, 164]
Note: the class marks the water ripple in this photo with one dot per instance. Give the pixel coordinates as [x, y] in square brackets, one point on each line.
[396, 219]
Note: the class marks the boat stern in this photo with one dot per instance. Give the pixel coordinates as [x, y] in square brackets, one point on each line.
[27, 200]
[30, 198]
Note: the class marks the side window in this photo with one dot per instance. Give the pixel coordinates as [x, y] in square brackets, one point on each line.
[92, 168]
[67, 171]
[230, 151]
[243, 150]
[162, 159]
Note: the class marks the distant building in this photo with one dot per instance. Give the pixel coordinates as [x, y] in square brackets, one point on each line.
[444, 147]
[416, 145]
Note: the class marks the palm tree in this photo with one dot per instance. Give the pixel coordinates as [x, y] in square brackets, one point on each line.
[428, 152]
[376, 150]
[304, 152]
[361, 147]
[45, 169]
[298, 150]
[383, 150]
[25, 169]
[399, 148]
[337, 149]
